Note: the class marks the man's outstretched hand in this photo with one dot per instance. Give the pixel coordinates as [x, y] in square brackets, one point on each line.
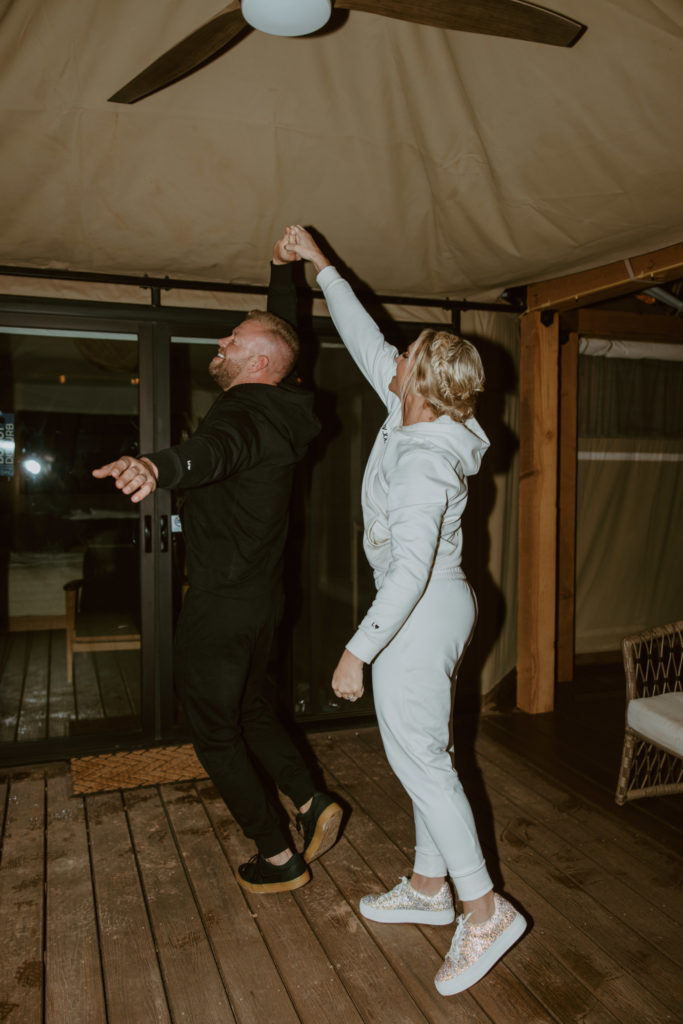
[281, 254]
[136, 477]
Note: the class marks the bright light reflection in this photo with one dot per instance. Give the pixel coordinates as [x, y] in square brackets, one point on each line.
[33, 466]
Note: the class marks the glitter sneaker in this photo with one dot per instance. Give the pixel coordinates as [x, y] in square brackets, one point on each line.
[477, 947]
[403, 904]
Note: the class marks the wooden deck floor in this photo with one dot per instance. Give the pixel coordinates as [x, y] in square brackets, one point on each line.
[36, 700]
[122, 907]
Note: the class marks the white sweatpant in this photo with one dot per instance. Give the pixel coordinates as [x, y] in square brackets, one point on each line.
[411, 681]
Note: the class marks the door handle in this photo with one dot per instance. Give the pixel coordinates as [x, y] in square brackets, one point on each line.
[163, 533]
[147, 534]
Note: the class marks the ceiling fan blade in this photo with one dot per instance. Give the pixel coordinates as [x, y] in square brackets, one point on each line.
[190, 53]
[515, 19]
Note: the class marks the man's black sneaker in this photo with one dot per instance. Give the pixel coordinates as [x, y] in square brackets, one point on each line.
[319, 826]
[259, 875]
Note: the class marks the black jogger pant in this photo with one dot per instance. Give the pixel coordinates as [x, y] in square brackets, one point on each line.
[222, 647]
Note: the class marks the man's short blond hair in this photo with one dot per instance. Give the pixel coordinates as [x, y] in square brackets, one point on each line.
[447, 372]
[282, 332]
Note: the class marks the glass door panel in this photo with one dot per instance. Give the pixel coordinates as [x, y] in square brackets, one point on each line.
[340, 586]
[69, 553]
[193, 392]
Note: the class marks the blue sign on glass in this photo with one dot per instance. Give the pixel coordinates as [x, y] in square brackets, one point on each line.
[6, 444]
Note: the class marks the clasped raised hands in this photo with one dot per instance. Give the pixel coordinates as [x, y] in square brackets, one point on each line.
[296, 244]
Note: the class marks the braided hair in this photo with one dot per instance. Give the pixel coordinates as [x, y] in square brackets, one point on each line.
[447, 372]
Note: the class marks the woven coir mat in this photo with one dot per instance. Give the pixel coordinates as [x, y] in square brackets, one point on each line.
[131, 768]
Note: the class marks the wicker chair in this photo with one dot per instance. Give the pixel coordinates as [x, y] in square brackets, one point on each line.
[652, 758]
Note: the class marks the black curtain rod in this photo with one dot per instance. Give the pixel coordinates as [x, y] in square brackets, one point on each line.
[167, 283]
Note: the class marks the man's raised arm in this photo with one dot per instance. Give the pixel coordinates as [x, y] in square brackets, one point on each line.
[281, 290]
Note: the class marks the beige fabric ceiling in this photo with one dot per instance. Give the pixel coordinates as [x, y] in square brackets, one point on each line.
[437, 163]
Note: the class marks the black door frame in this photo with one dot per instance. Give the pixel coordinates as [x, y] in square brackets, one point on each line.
[153, 327]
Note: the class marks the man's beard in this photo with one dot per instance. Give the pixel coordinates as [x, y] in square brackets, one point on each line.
[225, 371]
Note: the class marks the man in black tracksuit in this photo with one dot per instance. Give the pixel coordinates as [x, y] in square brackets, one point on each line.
[236, 471]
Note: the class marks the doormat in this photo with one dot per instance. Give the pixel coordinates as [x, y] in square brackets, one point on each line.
[131, 768]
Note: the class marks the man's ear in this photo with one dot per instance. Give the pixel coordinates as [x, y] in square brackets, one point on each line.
[259, 363]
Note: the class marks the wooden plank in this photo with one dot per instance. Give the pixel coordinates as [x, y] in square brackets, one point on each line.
[62, 707]
[626, 998]
[73, 974]
[616, 325]
[568, 792]
[4, 785]
[590, 286]
[503, 990]
[566, 507]
[257, 995]
[537, 558]
[586, 964]
[22, 874]
[566, 764]
[370, 980]
[115, 699]
[33, 714]
[637, 853]
[408, 949]
[505, 994]
[563, 993]
[30, 623]
[129, 666]
[132, 977]
[310, 978]
[86, 690]
[12, 686]
[560, 840]
[193, 984]
[658, 978]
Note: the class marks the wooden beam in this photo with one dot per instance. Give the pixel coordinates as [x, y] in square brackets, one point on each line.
[537, 571]
[566, 508]
[607, 323]
[600, 283]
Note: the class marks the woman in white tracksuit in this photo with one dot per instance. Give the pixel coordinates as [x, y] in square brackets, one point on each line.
[414, 493]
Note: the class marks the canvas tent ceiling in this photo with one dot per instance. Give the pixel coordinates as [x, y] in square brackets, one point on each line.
[437, 163]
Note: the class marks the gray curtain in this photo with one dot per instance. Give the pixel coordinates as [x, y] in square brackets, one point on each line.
[629, 499]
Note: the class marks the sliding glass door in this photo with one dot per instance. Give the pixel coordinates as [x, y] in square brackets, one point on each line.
[71, 546]
[90, 584]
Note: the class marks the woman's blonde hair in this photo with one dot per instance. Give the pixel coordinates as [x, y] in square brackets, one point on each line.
[447, 372]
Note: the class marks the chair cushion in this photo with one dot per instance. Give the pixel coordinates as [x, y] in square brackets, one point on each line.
[660, 719]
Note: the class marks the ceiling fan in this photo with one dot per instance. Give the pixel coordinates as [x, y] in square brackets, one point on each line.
[514, 19]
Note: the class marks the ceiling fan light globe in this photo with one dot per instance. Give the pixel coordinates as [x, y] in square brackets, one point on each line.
[287, 17]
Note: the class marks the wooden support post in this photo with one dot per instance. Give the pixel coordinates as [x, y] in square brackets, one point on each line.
[566, 508]
[537, 567]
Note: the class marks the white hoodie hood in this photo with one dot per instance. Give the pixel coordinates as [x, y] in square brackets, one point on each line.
[465, 442]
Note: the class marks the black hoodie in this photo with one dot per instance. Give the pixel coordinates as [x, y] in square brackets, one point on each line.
[237, 471]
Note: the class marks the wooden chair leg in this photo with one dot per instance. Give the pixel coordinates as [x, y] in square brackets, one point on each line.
[625, 770]
[69, 658]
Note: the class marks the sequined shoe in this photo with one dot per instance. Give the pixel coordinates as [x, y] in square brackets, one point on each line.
[259, 875]
[404, 905]
[477, 947]
[319, 826]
